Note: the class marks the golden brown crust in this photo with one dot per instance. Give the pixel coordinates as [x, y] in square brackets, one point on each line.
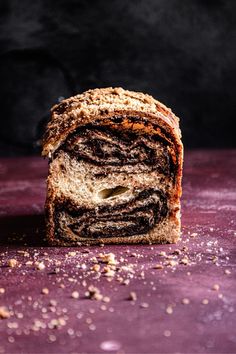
[102, 104]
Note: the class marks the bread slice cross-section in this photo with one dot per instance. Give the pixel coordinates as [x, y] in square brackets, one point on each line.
[115, 169]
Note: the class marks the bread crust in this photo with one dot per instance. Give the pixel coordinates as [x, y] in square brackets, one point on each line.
[100, 105]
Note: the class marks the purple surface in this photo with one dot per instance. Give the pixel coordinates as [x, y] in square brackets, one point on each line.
[158, 321]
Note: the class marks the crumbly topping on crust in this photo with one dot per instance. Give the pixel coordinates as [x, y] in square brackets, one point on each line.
[93, 104]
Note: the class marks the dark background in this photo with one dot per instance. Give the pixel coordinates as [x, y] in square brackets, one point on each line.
[180, 51]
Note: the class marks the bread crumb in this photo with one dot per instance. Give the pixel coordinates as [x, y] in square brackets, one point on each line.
[40, 266]
[214, 259]
[108, 258]
[194, 234]
[133, 254]
[11, 339]
[126, 282]
[109, 271]
[169, 310]
[184, 261]
[103, 307]
[205, 301]
[177, 252]
[52, 338]
[162, 253]
[142, 275]
[227, 271]
[45, 291]
[132, 296]
[95, 267]
[12, 263]
[72, 254]
[172, 263]
[106, 299]
[29, 263]
[53, 303]
[93, 293]
[216, 287]
[75, 295]
[92, 327]
[4, 313]
[167, 333]
[144, 305]
[185, 301]
[2, 290]
[158, 266]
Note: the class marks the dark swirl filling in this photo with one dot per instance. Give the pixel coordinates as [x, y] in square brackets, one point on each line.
[112, 149]
[136, 217]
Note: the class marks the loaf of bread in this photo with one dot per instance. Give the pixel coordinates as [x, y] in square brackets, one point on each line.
[115, 169]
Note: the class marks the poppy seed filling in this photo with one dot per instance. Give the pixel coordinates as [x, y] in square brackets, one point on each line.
[114, 150]
[136, 217]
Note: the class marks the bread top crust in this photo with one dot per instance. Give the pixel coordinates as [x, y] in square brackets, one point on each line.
[98, 104]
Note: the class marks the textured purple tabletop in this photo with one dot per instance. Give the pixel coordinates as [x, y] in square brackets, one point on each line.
[183, 297]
